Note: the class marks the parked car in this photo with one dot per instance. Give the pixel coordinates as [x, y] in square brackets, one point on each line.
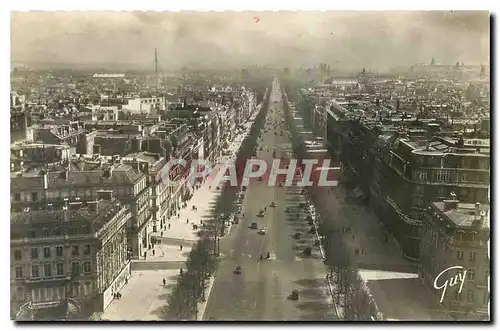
[254, 225]
[262, 231]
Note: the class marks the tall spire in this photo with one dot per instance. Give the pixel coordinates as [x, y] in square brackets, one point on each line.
[156, 71]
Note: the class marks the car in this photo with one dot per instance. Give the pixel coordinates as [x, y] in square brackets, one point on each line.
[254, 225]
[262, 231]
[237, 270]
[294, 295]
[273, 204]
[262, 213]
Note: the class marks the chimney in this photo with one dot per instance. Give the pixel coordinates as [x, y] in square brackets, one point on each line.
[477, 211]
[105, 195]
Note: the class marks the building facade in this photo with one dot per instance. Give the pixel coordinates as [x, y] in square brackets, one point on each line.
[68, 257]
[457, 234]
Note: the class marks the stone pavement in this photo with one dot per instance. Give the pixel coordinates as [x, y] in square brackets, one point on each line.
[143, 298]
[167, 253]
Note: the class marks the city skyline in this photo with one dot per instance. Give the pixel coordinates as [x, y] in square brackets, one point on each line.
[236, 39]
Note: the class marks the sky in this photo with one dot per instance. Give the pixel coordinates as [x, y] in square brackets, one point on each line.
[239, 39]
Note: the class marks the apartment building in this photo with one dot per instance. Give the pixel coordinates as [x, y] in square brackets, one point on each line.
[457, 234]
[128, 185]
[68, 257]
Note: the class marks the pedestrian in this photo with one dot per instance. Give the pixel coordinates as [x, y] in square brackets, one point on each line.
[352, 237]
[153, 252]
[169, 226]
[164, 282]
[181, 247]
[145, 254]
[187, 220]
[201, 222]
[149, 246]
[161, 234]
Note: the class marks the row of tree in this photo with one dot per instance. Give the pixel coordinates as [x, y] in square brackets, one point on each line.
[350, 292]
[202, 261]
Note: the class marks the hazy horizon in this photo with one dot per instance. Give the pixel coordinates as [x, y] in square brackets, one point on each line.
[236, 39]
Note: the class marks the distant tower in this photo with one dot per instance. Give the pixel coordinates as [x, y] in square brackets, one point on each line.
[156, 70]
[483, 71]
[184, 78]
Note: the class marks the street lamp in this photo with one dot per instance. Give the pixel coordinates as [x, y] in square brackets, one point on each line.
[218, 246]
[68, 279]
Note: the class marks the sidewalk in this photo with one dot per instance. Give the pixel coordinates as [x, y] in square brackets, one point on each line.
[204, 198]
[167, 253]
[143, 298]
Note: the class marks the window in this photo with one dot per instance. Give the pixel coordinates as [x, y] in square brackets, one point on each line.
[465, 163]
[419, 190]
[462, 177]
[59, 251]
[17, 197]
[34, 271]
[19, 272]
[460, 255]
[470, 296]
[34, 253]
[60, 269]
[18, 255]
[421, 175]
[20, 293]
[443, 176]
[484, 163]
[471, 274]
[75, 289]
[458, 296]
[34, 196]
[86, 250]
[46, 252]
[49, 293]
[75, 268]
[75, 250]
[472, 256]
[47, 270]
[87, 267]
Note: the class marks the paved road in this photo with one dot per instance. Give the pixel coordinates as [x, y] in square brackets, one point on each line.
[261, 291]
